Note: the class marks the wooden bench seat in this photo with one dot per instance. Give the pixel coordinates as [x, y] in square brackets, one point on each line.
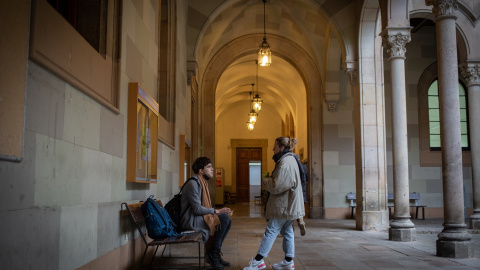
[412, 196]
[136, 214]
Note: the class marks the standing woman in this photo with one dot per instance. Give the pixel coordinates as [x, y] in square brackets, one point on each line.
[284, 205]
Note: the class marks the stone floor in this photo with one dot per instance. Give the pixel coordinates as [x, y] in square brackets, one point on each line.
[328, 244]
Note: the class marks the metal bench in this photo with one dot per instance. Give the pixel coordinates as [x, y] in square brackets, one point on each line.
[352, 197]
[412, 196]
[136, 214]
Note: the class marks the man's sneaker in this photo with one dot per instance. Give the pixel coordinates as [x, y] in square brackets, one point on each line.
[301, 225]
[283, 265]
[254, 264]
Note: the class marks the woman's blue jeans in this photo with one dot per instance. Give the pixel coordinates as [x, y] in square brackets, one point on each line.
[275, 226]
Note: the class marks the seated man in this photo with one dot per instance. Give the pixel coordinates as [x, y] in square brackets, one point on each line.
[201, 216]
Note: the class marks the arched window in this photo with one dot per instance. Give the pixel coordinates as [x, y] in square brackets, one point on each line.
[429, 120]
[434, 116]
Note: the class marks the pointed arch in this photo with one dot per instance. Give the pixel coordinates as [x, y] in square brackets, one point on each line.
[309, 72]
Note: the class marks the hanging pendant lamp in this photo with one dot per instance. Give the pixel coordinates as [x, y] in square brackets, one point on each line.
[250, 125]
[257, 100]
[252, 116]
[264, 54]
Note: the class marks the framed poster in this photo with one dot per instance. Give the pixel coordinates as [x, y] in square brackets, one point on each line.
[142, 136]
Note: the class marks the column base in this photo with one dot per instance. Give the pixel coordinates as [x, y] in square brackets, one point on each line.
[455, 249]
[316, 212]
[475, 224]
[373, 221]
[402, 234]
[454, 242]
[475, 220]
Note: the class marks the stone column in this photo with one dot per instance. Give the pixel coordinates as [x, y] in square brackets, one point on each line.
[401, 228]
[370, 176]
[454, 241]
[471, 72]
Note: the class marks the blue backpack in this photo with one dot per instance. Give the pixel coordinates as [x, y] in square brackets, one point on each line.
[158, 222]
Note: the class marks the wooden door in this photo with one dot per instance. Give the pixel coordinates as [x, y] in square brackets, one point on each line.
[244, 156]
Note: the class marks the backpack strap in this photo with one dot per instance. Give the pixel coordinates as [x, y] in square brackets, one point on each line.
[191, 178]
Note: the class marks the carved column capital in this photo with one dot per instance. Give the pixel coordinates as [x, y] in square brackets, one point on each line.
[470, 72]
[332, 100]
[353, 75]
[442, 7]
[395, 44]
[191, 71]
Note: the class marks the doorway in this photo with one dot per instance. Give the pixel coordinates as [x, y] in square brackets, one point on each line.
[245, 156]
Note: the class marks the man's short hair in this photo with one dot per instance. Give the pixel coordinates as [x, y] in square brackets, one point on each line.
[200, 163]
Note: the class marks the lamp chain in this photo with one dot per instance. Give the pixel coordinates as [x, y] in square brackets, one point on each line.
[264, 28]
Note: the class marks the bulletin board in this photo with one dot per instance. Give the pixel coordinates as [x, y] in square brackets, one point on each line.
[142, 136]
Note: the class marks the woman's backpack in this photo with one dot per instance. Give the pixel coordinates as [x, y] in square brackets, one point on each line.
[158, 222]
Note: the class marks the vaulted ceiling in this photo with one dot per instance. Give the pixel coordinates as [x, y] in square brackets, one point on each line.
[309, 24]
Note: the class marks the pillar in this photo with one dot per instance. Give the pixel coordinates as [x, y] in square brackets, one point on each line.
[370, 161]
[401, 228]
[471, 72]
[454, 241]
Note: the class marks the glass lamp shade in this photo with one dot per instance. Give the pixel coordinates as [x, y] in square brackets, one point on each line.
[250, 125]
[264, 54]
[257, 103]
[253, 116]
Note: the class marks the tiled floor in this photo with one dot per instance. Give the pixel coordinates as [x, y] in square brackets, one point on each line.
[329, 244]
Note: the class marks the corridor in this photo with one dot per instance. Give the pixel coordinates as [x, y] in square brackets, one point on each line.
[330, 244]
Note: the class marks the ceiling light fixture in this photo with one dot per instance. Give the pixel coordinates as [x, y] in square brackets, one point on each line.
[252, 115]
[250, 125]
[264, 54]
[257, 100]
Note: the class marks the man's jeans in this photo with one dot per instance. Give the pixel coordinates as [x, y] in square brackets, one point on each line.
[219, 236]
[275, 226]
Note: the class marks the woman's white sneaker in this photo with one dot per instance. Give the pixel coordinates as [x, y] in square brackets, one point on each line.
[283, 265]
[254, 264]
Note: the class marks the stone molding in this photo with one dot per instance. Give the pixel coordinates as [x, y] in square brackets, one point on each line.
[332, 100]
[443, 7]
[395, 44]
[471, 73]
[191, 71]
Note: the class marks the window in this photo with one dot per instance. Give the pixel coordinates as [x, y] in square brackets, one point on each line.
[427, 95]
[63, 34]
[434, 116]
[88, 17]
[167, 39]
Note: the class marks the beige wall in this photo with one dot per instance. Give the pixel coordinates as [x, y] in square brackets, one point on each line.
[338, 146]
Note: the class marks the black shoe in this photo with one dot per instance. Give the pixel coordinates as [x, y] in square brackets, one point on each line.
[224, 263]
[212, 257]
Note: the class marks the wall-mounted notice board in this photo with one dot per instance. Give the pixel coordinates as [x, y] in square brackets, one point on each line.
[142, 136]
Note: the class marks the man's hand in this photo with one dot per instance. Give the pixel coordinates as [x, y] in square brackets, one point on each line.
[224, 210]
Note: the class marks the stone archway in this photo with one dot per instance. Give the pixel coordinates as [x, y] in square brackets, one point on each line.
[308, 70]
